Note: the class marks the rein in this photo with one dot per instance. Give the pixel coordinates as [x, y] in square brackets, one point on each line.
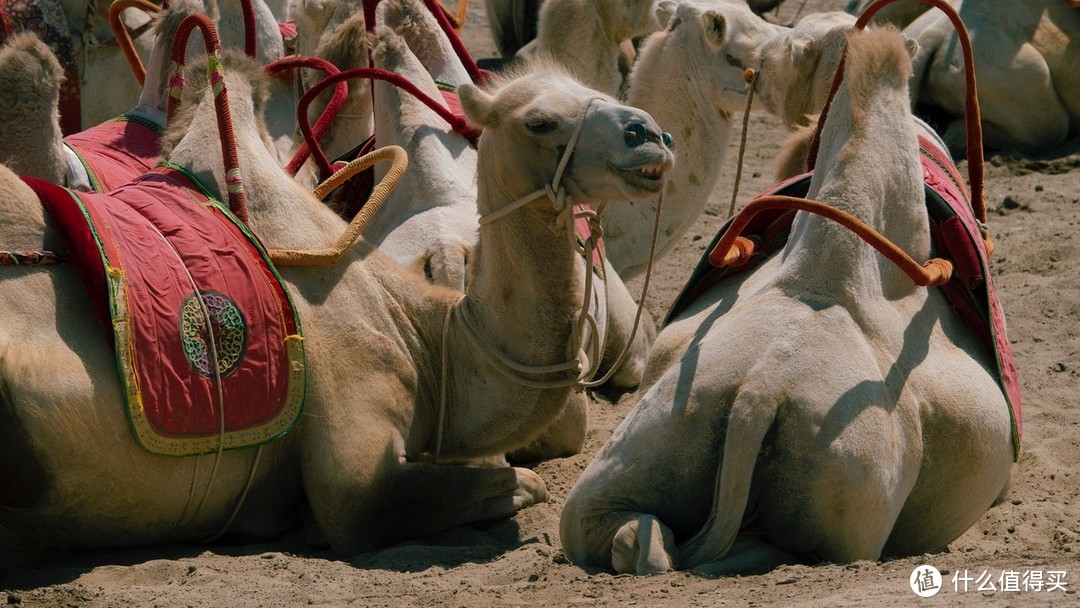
[750, 77]
[234, 181]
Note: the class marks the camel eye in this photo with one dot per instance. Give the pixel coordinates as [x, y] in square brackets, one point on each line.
[541, 125]
[735, 62]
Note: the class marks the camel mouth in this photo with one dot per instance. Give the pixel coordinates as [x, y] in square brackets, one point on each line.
[647, 177]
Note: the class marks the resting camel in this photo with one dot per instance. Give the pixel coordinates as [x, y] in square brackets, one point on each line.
[1026, 67]
[429, 222]
[820, 406]
[689, 76]
[363, 454]
[592, 37]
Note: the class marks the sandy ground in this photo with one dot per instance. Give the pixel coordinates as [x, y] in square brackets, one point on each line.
[1035, 208]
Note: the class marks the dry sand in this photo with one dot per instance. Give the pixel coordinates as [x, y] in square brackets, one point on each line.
[1034, 212]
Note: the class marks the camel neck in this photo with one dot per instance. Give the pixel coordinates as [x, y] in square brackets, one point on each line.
[849, 176]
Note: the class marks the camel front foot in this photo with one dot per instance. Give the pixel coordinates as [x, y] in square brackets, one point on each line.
[643, 546]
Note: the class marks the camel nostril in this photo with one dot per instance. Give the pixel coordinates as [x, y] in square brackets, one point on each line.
[635, 134]
[668, 140]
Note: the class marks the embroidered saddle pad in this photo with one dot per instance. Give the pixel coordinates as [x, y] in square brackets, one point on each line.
[956, 236]
[207, 342]
[116, 151]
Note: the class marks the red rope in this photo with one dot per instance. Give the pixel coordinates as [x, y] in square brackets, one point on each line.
[457, 123]
[333, 107]
[250, 48]
[233, 180]
[971, 105]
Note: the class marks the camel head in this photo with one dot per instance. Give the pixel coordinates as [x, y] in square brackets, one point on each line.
[797, 66]
[619, 152]
[718, 39]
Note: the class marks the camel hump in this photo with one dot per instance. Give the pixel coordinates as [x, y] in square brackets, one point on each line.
[881, 57]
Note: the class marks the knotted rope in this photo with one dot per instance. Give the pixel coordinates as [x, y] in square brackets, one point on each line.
[750, 77]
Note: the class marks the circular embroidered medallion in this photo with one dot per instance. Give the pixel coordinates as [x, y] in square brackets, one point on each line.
[229, 333]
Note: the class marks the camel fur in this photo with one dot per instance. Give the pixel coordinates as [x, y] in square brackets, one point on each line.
[429, 224]
[361, 455]
[590, 37]
[842, 411]
[30, 78]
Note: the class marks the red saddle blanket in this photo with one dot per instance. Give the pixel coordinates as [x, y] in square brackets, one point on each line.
[116, 151]
[956, 236]
[207, 342]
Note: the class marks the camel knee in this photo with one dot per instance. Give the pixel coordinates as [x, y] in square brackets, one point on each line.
[643, 545]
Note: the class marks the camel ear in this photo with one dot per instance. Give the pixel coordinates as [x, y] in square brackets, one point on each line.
[478, 105]
[912, 47]
[715, 26]
[665, 10]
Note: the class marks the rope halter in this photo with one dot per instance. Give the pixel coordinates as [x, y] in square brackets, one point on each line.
[586, 361]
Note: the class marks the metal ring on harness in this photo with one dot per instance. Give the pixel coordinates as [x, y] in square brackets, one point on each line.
[216, 75]
[971, 105]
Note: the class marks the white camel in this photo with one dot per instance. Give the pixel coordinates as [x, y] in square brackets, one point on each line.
[900, 13]
[375, 337]
[689, 76]
[820, 406]
[1026, 67]
[592, 37]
